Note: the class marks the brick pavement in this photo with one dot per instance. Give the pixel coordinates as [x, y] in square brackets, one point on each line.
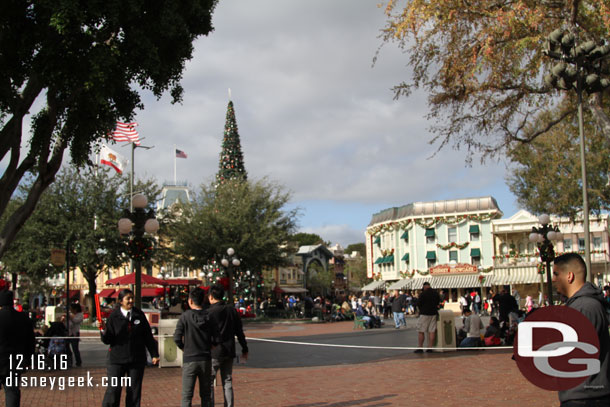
[452, 379]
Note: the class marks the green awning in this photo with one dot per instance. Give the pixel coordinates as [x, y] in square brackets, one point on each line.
[474, 229]
[405, 257]
[429, 232]
[475, 252]
[405, 235]
[431, 255]
[377, 240]
[389, 259]
[379, 260]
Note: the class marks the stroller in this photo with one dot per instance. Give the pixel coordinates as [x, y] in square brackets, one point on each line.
[54, 345]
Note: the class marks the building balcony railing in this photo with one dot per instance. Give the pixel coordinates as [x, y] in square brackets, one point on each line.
[533, 260]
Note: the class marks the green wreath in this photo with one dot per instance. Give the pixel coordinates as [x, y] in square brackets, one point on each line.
[140, 249]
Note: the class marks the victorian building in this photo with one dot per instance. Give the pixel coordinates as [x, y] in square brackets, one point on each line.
[448, 243]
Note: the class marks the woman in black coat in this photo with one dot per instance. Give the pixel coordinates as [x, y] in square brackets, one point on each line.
[129, 335]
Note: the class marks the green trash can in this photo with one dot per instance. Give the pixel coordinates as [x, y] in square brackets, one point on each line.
[445, 331]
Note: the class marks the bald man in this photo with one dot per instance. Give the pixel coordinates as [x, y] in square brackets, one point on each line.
[569, 279]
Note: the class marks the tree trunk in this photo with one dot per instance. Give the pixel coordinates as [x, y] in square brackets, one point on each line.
[45, 178]
[92, 292]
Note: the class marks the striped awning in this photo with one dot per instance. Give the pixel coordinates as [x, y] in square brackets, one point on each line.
[451, 281]
[459, 281]
[527, 275]
[375, 285]
[401, 284]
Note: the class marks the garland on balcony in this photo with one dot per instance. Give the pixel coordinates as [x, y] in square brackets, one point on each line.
[405, 224]
[390, 227]
[487, 270]
[537, 254]
[452, 245]
[516, 255]
[541, 268]
[387, 252]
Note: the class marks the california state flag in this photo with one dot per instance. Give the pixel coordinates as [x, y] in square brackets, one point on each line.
[112, 158]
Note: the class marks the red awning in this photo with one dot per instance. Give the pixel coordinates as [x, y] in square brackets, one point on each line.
[131, 279]
[152, 292]
[106, 292]
[73, 294]
[183, 281]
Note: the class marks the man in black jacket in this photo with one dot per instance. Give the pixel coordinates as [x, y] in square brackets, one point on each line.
[229, 326]
[570, 280]
[193, 334]
[16, 344]
[128, 333]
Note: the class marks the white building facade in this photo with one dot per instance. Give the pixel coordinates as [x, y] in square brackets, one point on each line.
[448, 243]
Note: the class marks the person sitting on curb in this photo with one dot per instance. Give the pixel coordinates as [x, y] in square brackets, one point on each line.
[472, 326]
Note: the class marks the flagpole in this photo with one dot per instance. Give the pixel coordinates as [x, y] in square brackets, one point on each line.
[175, 165]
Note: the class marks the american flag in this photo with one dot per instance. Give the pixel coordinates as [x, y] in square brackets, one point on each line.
[126, 132]
[180, 154]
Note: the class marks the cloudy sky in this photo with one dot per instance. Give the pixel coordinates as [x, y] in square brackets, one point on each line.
[313, 114]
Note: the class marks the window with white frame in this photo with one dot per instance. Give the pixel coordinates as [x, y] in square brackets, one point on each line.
[476, 260]
[567, 245]
[452, 235]
[597, 243]
[453, 255]
[581, 243]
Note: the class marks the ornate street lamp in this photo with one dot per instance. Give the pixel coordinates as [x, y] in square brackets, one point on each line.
[135, 223]
[580, 67]
[229, 263]
[543, 237]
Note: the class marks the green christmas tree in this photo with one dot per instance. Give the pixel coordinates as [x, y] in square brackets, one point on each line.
[231, 158]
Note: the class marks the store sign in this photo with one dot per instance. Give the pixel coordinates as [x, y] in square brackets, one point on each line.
[453, 269]
[58, 257]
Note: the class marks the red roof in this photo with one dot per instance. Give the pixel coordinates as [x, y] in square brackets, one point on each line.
[183, 281]
[73, 293]
[153, 292]
[106, 292]
[131, 279]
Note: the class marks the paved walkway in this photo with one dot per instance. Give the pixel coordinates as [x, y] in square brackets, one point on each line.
[452, 379]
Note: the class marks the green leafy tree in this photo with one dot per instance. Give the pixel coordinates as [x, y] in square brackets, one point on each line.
[306, 239]
[231, 165]
[356, 247]
[482, 64]
[84, 205]
[244, 215]
[547, 172]
[80, 61]
[356, 270]
[319, 280]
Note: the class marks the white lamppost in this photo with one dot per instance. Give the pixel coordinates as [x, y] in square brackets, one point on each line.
[229, 263]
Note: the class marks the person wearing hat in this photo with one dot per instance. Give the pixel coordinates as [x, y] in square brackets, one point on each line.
[16, 338]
